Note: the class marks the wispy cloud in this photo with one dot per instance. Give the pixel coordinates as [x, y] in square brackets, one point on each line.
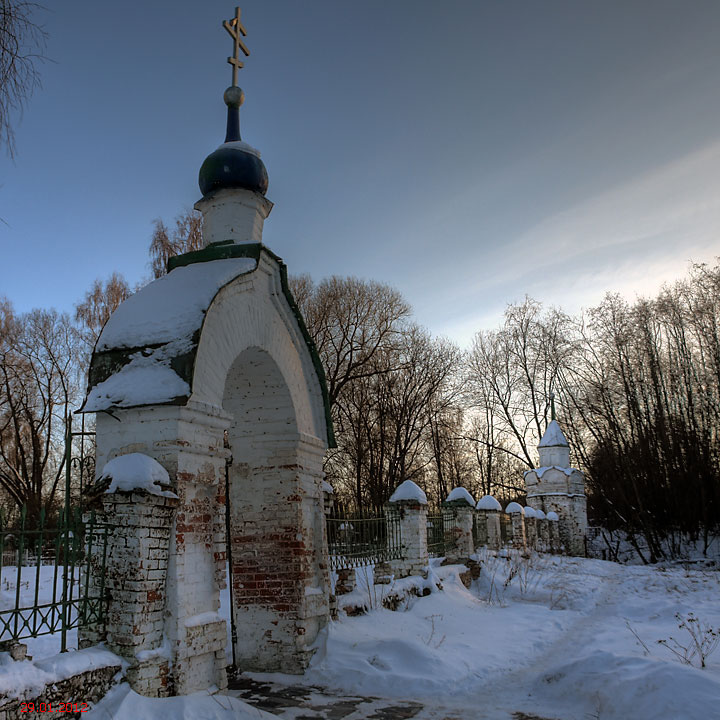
[630, 239]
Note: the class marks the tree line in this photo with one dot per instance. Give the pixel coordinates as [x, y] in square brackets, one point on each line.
[637, 388]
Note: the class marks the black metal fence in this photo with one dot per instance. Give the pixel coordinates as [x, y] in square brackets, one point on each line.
[355, 540]
[44, 576]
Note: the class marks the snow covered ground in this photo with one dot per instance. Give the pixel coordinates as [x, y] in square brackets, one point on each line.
[554, 637]
[550, 637]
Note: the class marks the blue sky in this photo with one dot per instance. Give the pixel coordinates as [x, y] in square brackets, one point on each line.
[466, 152]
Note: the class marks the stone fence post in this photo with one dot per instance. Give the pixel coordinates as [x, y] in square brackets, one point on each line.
[488, 514]
[459, 543]
[542, 531]
[410, 504]
[530, 527]
[136, 561]
[517, 516]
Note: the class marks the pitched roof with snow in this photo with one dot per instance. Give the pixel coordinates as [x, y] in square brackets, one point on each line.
[553, 436]
[145, 354]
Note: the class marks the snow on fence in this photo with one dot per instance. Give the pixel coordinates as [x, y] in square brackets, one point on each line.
[361, 540]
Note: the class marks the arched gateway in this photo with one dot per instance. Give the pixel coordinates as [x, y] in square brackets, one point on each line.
[210, 370]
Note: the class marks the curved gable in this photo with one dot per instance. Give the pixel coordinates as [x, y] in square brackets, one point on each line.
[147, 351]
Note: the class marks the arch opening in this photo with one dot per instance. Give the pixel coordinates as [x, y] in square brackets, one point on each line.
[274, 543]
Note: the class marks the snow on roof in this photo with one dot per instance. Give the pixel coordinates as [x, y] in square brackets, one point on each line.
[488, 502]
[136, 471]
[540, 471]
[146, 380]
[171, 307]
[529, 512]
[552, 515]
[553, 436]
[409, 491]
[460, 493]
[514, 507]
[540, 515]
[161, 322]
[326, 487]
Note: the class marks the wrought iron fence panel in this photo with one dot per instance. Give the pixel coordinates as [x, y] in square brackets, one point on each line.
[479, 530]
[45, 587]
[358, 541]
[439, 531]
[506, 532]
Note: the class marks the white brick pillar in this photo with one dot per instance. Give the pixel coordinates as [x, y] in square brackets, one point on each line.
[554, 532]
[488, 510]
[530, 527]
[410, 504]
[135, 584]
[543, 537]
[517, 516]
[459, 544]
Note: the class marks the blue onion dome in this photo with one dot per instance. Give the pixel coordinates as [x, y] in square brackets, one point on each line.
[235, 164]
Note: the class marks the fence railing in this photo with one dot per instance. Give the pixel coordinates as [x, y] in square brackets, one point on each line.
[440, 529]
[45, 586]
[358, 541]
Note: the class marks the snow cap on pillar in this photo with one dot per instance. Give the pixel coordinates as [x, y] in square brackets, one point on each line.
[488, 502]
[408, 491]
[233, 178]
[459, 496]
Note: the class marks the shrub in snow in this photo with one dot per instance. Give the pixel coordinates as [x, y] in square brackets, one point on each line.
[703, 640]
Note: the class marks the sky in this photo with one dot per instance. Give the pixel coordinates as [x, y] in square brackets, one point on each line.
[468, 152]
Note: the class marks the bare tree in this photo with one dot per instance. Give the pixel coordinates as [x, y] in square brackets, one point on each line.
[100, 302]
[22, 41]
[39, 383]
[351, 322]
[513, 371]
[185, 237]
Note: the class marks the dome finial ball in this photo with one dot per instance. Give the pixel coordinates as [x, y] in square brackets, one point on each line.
[234, 96]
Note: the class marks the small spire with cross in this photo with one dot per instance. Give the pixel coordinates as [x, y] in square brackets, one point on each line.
[234, 96]
[237, 32]
[552, 406]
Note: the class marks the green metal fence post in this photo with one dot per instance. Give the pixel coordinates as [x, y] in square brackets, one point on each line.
[21, 547]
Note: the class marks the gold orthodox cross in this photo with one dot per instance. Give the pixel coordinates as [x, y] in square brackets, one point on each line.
[236, 30]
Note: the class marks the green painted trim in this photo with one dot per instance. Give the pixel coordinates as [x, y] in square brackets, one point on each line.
[317, 363]
[216, 251]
